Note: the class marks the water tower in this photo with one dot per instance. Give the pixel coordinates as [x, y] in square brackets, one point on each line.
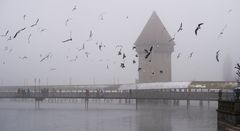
[157, 67]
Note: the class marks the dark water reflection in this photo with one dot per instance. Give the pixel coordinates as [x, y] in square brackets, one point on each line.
[152, 115]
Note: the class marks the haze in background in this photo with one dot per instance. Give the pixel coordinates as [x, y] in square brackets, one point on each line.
[114, 23]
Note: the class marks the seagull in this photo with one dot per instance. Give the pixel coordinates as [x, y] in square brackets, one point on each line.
[180, 28]
[24, 16]
[172, 39]
[35, 23]
[198, 27]
[100, 47]
[46, 57]
[52, 69]
[148, 52]
[87, 53]
[74, 8]
[217, 55]
[134, 61]
[122, 65]
[119, 52]
[29, 38]
[161, 71]
[70, 39]
[83, 47]
[18, 32]
[136, 55]
[179, 54]
[139, 68]
[66, 22]
[24, 57]
[191, 54]
[43, 30]
[91, 34]
[134, 47]
[6, 33]
[124, 56]
[100, 17]
[223, 29]
[152, 73]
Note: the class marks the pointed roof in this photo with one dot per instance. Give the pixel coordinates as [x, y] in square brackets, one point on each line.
[154, 32]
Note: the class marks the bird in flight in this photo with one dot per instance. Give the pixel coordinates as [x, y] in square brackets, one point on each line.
[35, 23]
[83, 47]
[91, 34]
[191, 54]
[18, 32]
[223, 29]
[67, 40]
[134, 47]
[134, 61]
[6, 33]
[139, 68]
[120, 52]
[74, 8]
[217, 55]
[29, 38]
[24, 16]
[161, 71]
[46, 57]
[179, 54]
[148, 52]
[198, 27]
[122, 65]
[66, 22]
[124, 56]
[180, 28]
[23, 57]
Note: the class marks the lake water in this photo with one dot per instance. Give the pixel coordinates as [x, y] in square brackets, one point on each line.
[62, 115]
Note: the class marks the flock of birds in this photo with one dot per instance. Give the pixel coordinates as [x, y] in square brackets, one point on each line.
[100, 45]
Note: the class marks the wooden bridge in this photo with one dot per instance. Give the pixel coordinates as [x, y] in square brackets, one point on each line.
[164, 94]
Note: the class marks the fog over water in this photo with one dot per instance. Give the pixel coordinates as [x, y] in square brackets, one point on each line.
[113, 23]
[153, 115]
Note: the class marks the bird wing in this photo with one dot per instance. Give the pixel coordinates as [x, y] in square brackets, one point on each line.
[200, 24]
[151, 48]
[147, 55]
[146, 51]
[196, 31]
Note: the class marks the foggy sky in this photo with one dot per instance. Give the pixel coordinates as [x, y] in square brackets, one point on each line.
[114, 29]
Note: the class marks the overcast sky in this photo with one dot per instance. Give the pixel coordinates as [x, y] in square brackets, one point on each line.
[123, 21]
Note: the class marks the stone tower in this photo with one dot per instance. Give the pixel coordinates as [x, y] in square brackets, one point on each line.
[157, 67]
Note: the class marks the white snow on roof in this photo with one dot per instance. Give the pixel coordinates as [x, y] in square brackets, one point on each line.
[160, 85]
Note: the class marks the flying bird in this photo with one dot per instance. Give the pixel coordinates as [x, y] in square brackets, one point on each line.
[179, 54]
[148, 52]
[52, 69]
[35, 23]
[134, 61]
[217, 55]
[120, 52]
[198, 27]
[161, 71]
[87, 54]
[74, 8]
[180, 28]
[24, 16]
[223, 29]
[67, 40]
[66, 22]
[18, 32]
[124, 56]
[91, 34]
[122, 65]
[83, 47]
[29, 38]
[139, 68]
[6, 33]
[191, 54]
[100, 17]
[136, 55]
[134, 47]
[23, 57]
[46, 57]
